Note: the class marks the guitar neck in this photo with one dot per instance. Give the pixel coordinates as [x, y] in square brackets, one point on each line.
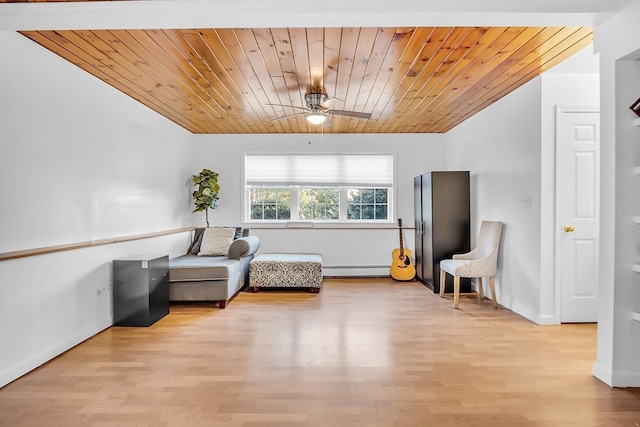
[401, 242]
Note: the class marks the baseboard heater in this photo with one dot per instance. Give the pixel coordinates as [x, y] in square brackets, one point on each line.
[355, 270]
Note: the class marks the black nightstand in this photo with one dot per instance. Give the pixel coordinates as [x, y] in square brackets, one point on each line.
[140, 290]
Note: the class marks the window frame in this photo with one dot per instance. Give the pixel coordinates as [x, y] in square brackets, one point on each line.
[295, 193]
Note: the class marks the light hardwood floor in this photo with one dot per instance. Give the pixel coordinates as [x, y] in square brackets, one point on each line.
[362, 352]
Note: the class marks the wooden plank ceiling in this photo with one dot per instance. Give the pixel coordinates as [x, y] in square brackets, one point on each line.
[411, 80]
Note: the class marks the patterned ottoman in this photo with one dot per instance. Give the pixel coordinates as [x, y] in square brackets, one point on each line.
[286, 271]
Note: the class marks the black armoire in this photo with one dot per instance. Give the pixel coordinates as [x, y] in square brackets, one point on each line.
[442, 229]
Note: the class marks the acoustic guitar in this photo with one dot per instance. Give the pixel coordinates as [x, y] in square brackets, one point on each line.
[401, 266]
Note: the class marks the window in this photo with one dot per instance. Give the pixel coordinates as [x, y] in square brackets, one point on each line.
[319, 203]
[270, 203]
[318, 187]
[367, 203]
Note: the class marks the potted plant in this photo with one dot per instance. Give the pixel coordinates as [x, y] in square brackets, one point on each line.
[206, 195]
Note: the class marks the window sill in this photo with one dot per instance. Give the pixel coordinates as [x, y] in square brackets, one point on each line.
[310, 225]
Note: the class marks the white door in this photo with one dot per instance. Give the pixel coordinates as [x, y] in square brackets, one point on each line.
[577, 218]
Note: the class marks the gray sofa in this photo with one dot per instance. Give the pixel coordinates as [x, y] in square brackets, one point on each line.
[212, 278]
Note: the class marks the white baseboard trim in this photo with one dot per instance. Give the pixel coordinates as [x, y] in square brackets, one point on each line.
[524, 311]
[626, 379]
[355, 270]
[547, 319]
[15, 372]
[616, 379]
[603, 374]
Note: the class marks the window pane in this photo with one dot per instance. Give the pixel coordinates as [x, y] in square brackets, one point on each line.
[332, 211]
[270, 203]
[367, 204]
[368, 195]
[256, 212]
[320, 203]
[270, 212]
[354, 195]
[353, 211]
[283, 212]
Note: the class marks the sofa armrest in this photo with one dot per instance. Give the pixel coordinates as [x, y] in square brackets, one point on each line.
[244, 246]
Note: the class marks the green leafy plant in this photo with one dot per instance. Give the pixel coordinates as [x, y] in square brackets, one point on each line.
[206, 195]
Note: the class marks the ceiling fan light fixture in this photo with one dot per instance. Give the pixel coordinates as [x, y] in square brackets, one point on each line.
[316, 118]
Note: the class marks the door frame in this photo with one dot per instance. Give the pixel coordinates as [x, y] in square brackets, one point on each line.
[557, 232]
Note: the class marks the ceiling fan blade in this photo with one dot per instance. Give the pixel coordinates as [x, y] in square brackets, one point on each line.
[288, 116]
[329, 102]
[288, 106]
[350, 114]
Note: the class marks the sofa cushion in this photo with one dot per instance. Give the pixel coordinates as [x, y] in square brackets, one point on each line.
[216, 241]
[197, 241]
[244, 246]
[239, 232]
[197, 268]
[194, 248]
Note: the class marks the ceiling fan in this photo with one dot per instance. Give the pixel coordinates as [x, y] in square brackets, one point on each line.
[318, 110]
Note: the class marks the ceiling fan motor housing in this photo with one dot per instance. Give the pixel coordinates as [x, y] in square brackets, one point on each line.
[314, 99]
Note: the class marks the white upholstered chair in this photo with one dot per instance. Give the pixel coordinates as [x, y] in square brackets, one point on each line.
[481, 262]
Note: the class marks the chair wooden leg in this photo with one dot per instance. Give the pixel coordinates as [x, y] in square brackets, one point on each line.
[481, 289]
[456, 291]
[443, 280]
[492, 284]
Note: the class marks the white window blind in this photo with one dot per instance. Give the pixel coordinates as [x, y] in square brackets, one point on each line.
[358, 170]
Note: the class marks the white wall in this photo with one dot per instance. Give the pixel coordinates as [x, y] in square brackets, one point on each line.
[341, 248]
[618, 357]
[510, 150]
[79, 161]
[500, 146]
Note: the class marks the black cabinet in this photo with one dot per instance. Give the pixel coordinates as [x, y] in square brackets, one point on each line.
[442, 224]
[140, 290]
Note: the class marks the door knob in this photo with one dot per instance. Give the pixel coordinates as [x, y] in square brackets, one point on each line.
[569, 228]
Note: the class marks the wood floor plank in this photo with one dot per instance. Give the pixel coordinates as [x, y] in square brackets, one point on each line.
[362, 352]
